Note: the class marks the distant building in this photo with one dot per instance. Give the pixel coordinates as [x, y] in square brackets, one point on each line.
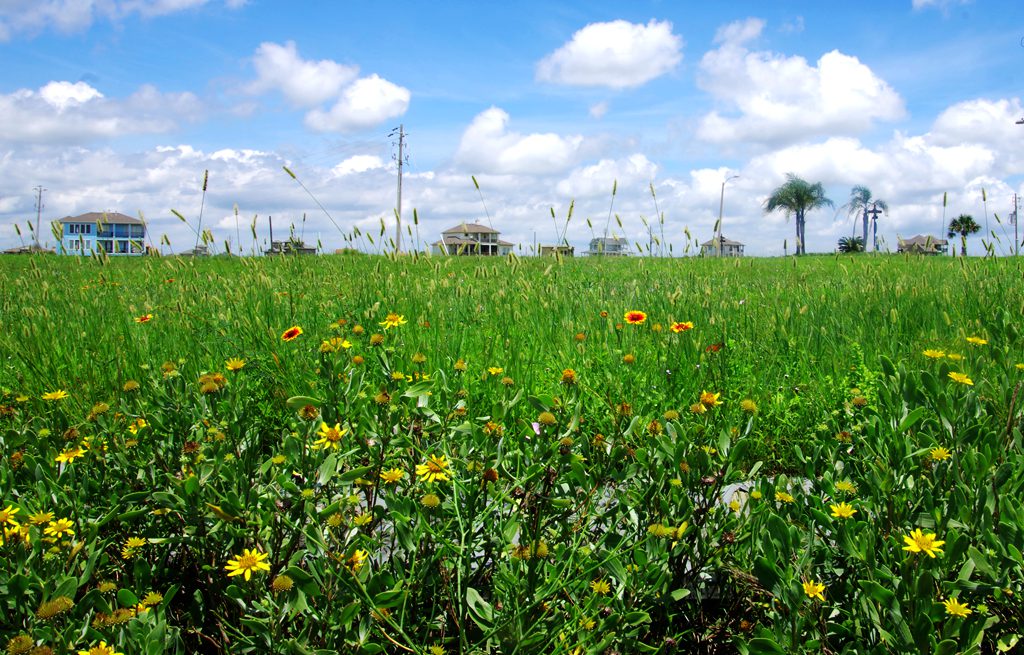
[557, 251]
[608, 247]
[471, 239]
[721, 247]
[923, 245]
[290, 247]
[28, 250]
[109, 232]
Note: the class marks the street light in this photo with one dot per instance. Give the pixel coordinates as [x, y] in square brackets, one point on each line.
[721, 205]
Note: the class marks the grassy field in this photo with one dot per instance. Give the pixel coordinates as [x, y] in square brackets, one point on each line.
[511, 456]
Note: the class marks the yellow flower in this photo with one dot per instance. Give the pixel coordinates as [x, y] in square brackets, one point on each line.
[59, 394]
[434, 469]
[977, 341]
[748, 406]
[709, 399]
[39, 518]
[102, 648]
[355, 561]
[782, 496]
[842, 511]
[568, 377]
[393, 320]
[961, 378]
[247, 563]
[137, 425]
[938, 454]
[813, 590]
[291, 333]
[362, 519]
[135, 542]
[145, 318]
[634, 317]
[329, 437]
[933, 354]
[1020, 367]
[495, 370]
[234, 364]
[918, 542]
[59, 528]
[436, 650]
[600, 586]
[846, 487]
[7, 515]
[394, 475]
[955, 608]
[430, 501]
[755, 495]
[282, 583]
[954, 357]
[698, 408]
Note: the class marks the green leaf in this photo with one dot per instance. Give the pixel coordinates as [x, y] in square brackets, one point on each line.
[764, 645]
[127, 598]
[298, 402]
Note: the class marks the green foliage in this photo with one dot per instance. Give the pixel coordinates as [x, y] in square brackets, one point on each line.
[485, 456]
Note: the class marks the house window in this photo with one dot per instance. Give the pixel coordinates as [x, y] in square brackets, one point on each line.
[136, 231]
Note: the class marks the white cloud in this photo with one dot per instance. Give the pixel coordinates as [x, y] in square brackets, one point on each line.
[617, 54]
[357, 164]
[635, 171]
[367, 102]
[938, 4]
[303, 82]
[772, 98]
[487, 146]
[62, 112]
[66, 16]
[598, 110]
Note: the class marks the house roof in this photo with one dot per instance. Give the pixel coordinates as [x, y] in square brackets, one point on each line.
[725, 242]
[102, 217]
[922, 240]
[608, 240]
[471, 228]
[458, 241]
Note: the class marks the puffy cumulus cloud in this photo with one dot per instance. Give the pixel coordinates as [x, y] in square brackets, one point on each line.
[367, 102]
[77, 113]
[66, 16]
[488, 146]
[938, 4]
[356, 104]
[635, 171]
[303, 82]
[775, 99]
[992, 122]
[617, 54]
[357, 164]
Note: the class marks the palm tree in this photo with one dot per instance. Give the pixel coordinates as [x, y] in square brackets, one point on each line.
[796, 197]
[964, 225]
[862, 203]
[851, 244]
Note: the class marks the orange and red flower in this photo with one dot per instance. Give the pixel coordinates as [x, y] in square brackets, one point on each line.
[681, 326]
[635, 317]
[291, 333]
[145, 318]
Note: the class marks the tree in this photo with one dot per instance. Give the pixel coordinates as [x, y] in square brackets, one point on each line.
[851, 244]
[964, 225]
[862, 203]
[795, 198]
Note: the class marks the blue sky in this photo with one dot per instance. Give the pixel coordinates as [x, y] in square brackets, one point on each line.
[123, 104]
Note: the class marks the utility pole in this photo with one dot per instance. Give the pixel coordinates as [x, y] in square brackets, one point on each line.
[721, 206]
[401, 162]
[39, 212]
[1016, 220]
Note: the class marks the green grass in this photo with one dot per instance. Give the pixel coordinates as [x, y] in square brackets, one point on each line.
[828, 350]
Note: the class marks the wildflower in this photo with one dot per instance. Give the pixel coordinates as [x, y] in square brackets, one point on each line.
[635, 317]
[955, 608]
[382, 398]
[568, 377]
[520, 551]
[329, 437]
[939, 454]
[7, 515]
[57, 529]
[334, 344]
[356, 559]
[102, 648]
[130, 386]
[546, 418]
[495, 370]
[670, 415]
[282, 583]
[783, 497]
[54, 607]
[291, 334]
[918, 542]
[234, 364]
[842, 511]
[419, 358]
[859, 401]
[39, 518]
[628, 358]
[249, 562]
[309, 412]
[683, 326]
[604, 314]
[392, 320]
[376, 339]
[709, 399]
[507, 381]
[362, 519]
[334, 520]
[137, 425]
[392, 476]
[580, 337]
[587, 623]
[961, 378]
[715, 347]
[813, 590]
[135, 542]
[846, 487]
[600, 587]
[20, 644]
[734, 505]
[954, 357]
[430, 501]
[1019, 367]
[106, 587]
[755, 494]
[748, 406]
[152, 598]
[660, 530]
[145, 318]
[437, 650]
[934, 354]
[491, 428]
[59, 394]
[977, 341]
[698, 408]
[460, 365]
[434, 469]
